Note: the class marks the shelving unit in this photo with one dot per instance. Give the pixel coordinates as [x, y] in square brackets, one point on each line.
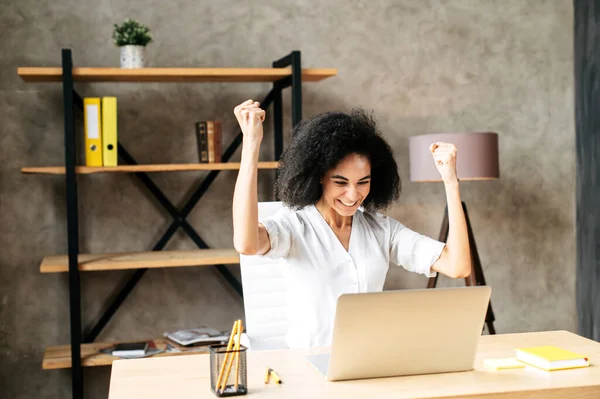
[59, 357]
[141, 260]
[83, 351]
[61, 170]
[238, 75]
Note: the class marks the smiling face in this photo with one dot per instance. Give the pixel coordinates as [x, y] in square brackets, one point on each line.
[346, 186]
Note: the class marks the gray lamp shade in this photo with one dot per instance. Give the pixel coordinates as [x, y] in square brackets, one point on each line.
[476, 158]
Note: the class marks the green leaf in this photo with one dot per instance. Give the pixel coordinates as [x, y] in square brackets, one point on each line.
[131, 32]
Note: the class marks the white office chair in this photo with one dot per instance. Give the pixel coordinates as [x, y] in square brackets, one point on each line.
[264, 296]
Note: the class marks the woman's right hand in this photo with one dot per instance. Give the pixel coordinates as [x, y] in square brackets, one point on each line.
[250, 118]
[249, 237]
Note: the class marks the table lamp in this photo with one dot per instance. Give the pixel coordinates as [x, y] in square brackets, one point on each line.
[477, 159]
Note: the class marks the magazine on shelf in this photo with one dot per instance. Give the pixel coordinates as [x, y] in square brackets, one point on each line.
[195, 336]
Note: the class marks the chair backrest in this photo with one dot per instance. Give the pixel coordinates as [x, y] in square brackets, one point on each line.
[265, 297]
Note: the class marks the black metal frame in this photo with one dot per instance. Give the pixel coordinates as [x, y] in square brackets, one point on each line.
[72, 225]
[73, 99]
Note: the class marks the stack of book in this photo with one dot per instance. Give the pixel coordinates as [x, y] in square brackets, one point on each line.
[551, 358]
[208, 134]
[100, 127]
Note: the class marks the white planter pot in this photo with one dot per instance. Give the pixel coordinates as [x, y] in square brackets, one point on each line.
[133, 56]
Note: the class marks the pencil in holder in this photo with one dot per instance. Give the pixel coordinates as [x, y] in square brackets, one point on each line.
[227, 371]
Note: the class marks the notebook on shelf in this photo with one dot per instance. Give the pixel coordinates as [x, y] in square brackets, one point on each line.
[133, 350]
[130, 349]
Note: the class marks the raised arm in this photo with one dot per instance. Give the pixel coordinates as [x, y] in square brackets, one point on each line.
[455, 260]
[249, 237]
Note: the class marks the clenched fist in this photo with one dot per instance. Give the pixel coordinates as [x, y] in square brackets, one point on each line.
[250, 117]
[444, 156]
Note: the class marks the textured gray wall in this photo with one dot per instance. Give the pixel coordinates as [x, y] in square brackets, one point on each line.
[422, 66]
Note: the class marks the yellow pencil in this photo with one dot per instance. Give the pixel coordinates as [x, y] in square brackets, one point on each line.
[277, 378]
[237, 353]
[229, 359]
[229, 344]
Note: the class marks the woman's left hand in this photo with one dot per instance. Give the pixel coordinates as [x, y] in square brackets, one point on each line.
[444, 156]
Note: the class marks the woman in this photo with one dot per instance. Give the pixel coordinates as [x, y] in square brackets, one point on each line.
[334, 176]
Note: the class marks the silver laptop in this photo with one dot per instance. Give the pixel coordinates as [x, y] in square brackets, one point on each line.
[394, 333]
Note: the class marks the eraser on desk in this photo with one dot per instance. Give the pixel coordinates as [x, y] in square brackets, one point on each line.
[503, 364]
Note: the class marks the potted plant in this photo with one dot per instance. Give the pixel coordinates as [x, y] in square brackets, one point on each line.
[132, 37]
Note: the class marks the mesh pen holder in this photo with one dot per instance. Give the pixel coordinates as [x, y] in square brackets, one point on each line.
[231, 367]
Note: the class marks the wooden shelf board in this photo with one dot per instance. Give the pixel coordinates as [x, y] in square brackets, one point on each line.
[54, 74]
[141, 260]
[59, 357]
[60, 170]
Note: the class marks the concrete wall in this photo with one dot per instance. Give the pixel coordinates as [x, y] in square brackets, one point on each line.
[422, 66]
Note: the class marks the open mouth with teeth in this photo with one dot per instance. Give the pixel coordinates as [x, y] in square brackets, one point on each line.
[348, 204]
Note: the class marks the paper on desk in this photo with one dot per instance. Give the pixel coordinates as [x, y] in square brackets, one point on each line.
[503, 364]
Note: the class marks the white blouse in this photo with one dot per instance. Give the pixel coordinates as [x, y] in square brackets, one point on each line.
[318, 269]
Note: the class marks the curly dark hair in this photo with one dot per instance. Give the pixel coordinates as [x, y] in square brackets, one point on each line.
[319, 144]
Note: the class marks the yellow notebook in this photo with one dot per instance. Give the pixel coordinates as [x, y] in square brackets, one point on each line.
[109, 131]
[551, 358]
[93, 131]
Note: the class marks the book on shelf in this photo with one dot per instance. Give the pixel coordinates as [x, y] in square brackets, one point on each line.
[130, 349]
[202, 139]
[209, 137]
[197, 336]
[133, 350]
[215, 128]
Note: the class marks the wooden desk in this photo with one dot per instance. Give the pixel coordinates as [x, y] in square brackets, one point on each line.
[188, 376]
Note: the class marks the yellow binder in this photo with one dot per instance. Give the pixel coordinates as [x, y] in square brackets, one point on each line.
[109, 131]
[93, 131]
